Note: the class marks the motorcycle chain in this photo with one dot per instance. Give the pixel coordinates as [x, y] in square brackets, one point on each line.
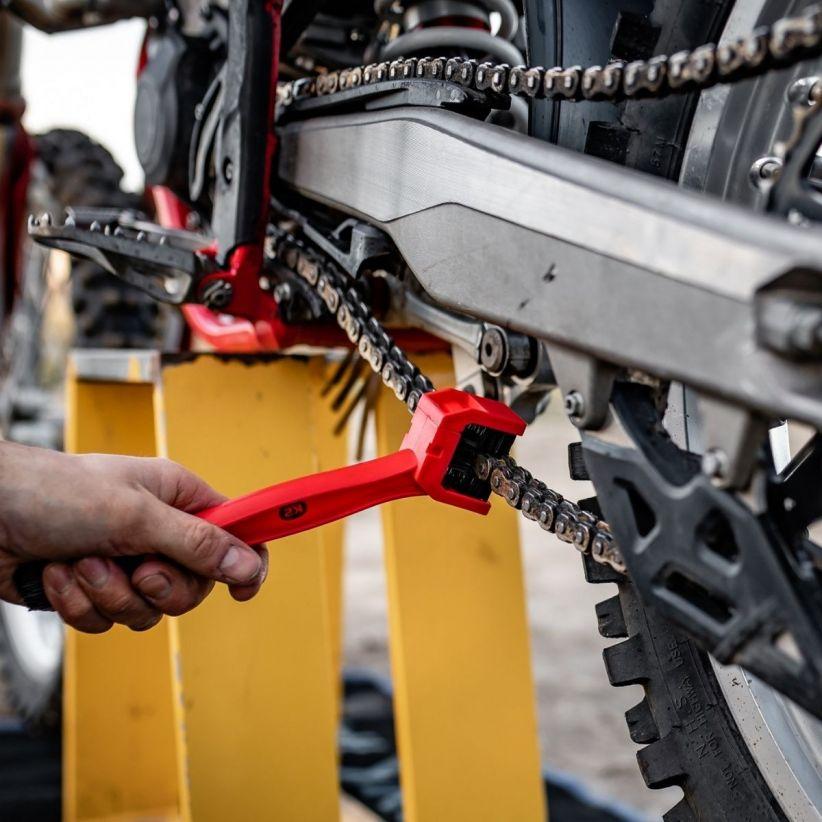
[514, 484]
[785, 42]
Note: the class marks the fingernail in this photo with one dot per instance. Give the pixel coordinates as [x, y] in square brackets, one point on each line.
[60, 578]
[240, 566]
[94, 571]
[156, 586]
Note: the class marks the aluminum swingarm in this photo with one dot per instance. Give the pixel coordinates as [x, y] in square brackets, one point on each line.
[608, 266]
[625, 276]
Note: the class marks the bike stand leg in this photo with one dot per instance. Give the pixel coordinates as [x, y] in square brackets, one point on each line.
[463, 691]
[122, 737]
[260, 682]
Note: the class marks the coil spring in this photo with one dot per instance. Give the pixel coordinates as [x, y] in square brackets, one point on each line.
[443, 26]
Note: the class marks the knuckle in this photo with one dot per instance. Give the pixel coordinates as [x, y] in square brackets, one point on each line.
[75, 609]
[83, 617]
[179, 606]
[200, 542]
[165, 468]
[119, 606]
[168, 474]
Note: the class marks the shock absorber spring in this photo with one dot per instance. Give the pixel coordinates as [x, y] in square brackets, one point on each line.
[461, 27]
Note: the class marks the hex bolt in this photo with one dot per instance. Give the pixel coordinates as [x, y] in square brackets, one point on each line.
[171, 286]
[283, 293]
[801, 91]
[218, 294]
[715, 463]
[574, 404]
[493, 351]
[764, 172]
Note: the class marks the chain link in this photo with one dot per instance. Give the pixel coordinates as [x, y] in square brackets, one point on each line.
[514, 484]
[783, 43]
[374, 344]
[555, 514]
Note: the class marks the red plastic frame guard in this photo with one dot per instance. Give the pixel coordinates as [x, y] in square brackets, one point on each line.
[418, 468]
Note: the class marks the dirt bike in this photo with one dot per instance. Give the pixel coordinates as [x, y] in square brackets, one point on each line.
[502, 178]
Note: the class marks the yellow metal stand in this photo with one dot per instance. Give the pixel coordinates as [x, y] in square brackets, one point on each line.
[258, 681]
[230, 713]
[122, 740]
[464, 701]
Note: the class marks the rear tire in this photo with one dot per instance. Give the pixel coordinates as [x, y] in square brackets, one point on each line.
[690, 736]
[691, 739]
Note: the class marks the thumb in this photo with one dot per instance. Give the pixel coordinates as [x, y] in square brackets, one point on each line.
[177, 486]
[197, 545]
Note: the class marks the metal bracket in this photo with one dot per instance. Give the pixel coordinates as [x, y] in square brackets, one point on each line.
[586, 386]
[393, 93]
[740, 584]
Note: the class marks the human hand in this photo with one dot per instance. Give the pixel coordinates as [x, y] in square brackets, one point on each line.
[78, 512]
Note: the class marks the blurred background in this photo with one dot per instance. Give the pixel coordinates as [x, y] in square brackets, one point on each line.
[85, 80]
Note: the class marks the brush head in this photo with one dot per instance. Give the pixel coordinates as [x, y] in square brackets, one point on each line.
[461, 475]
[450, 429]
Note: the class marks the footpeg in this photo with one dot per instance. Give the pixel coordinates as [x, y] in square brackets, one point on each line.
[167, 265]
[449, 430]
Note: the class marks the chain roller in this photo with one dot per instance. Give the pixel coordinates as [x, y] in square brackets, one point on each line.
[555, 514]
[783, 43]
[374, 344]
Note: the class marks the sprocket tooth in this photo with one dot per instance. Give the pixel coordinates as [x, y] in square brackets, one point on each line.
[596, 573]
[610, 619]
[641, 723]
[681, 812]
[625, 662]
[660, 764]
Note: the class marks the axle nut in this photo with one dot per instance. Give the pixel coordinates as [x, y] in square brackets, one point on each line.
[494, 351]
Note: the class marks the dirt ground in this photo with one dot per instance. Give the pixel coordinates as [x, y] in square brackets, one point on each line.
[582, 727]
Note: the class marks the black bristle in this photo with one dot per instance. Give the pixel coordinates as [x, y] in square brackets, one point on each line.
[461, 475]
[28, 580]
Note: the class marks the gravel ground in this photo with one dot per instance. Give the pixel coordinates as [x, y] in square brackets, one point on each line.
[582, 728]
